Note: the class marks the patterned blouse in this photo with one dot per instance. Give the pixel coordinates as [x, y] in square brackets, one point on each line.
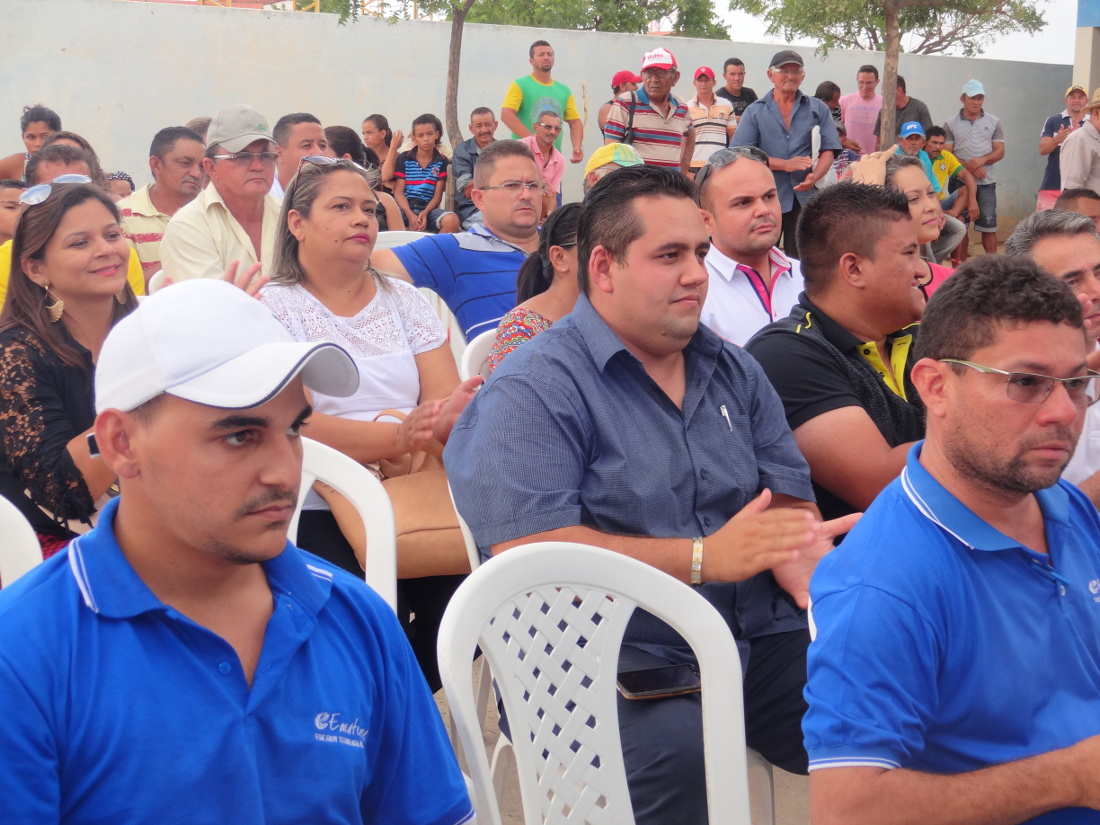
[515, 327]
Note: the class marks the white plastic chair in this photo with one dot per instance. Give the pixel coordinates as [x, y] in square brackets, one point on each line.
[550, 618]
[397, 237]
[475, 358]
[366, 493]
[156, 282]
[20, 551]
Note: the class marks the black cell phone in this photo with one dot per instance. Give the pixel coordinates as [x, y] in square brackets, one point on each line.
[659, 682]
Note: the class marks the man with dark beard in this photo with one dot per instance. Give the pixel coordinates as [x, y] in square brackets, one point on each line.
[956, 669]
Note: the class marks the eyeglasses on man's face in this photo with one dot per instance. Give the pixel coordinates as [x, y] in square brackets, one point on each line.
[514, 187]
[244, 159]
[1029, 388]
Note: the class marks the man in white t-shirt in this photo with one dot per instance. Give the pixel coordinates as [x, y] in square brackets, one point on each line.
[1065, 244]
[752, 283]
[860, 109]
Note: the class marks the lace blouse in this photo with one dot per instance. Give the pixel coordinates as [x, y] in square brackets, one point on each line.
[382, 338]
[44, 404]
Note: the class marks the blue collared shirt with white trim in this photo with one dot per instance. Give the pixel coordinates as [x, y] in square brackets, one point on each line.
[945, 646]
[118, 708]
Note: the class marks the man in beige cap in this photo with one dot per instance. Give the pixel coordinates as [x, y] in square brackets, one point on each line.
[234, 218]
[1080, 161]
[1055, 131]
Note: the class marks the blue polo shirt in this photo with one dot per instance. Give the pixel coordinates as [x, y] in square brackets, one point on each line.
[474, 272]
[570, 430]
[762, 125]
[118, 709]
[944, 646]
[1052, 174]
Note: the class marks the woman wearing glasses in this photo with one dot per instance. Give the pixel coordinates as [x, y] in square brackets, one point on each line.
[68, 288]
[323, 288]
[546, 287]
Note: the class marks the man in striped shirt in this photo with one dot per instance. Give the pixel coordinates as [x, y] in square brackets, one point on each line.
[652, 120]
[175, 159]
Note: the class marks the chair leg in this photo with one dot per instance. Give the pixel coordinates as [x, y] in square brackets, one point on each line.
[503, 768]
[761, 788]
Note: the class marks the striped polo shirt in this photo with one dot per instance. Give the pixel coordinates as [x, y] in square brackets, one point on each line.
[657, 138]
[420, 180]
[143, 224]
[975, 138]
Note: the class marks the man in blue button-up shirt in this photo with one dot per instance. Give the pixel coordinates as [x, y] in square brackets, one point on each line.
[956, 672]
[782, 124]
[630, 426]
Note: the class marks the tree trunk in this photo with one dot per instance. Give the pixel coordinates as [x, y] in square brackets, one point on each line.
[454, 58]
[887, 126]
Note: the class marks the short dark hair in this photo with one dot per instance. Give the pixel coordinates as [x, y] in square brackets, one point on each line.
[1050, 223]
[12, 184]
[536, 44]
[867, 67]
[492, 154]
[732, 61]
[826, 90]
[901, 83]
[482, 110]
[962, 315]
[608, 216]
[281, 133]
[165, 140]
[1071, 196]
[39, 114]
[428, 120]
[848, 217]
[343, 140]
[56, 153]
[935, 131]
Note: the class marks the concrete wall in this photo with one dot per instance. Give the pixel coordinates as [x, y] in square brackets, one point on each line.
[117, 71]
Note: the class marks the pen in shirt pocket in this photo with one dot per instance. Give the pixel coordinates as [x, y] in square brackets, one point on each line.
[726, 415]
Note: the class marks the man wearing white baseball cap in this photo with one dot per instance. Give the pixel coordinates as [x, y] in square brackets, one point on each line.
[235, 218]
[183, 661]
[652, 119]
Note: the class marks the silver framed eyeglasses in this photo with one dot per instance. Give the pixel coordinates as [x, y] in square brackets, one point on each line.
[38, 194]
[1029, 388]
[244, 159]
[514, 187]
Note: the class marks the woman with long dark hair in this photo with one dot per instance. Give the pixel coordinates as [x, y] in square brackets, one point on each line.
[546, 287]
[67, 289]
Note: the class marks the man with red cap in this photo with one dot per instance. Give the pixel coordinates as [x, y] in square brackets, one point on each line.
[622, 81]
[710, 118]
[652, 119]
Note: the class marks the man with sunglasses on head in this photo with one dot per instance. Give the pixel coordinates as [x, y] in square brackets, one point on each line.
[752, 282]
[475, 271]
[955, 676]
[235, 218]
[782, 123]
[1065, 244]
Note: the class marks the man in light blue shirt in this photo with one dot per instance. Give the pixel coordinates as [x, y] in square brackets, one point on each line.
[783, 124]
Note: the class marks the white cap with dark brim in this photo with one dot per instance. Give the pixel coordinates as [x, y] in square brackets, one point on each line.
[208, 342]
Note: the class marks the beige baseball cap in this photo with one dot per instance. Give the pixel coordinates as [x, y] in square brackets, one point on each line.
[236, 126]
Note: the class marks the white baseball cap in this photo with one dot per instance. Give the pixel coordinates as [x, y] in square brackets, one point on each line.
[208, 342]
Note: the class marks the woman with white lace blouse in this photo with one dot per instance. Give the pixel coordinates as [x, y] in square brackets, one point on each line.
[323, 288]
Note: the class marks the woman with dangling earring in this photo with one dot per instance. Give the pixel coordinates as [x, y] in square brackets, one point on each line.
[68, 288]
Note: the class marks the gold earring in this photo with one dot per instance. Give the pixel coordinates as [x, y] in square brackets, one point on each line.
[55, 309]
[120, 296]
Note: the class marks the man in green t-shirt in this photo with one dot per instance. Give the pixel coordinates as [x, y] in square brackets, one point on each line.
[537, 92]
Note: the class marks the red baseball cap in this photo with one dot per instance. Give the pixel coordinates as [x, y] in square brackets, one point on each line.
[707, 70]
[624, 77]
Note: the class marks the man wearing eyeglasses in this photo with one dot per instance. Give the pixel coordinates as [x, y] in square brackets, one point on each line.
[653, 120]
[551, 162]
[1065, 244]
[782, 123]
[955, 676]
[235, 218]
[475, 271]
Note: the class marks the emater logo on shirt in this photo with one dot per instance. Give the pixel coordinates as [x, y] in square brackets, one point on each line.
[331, 729]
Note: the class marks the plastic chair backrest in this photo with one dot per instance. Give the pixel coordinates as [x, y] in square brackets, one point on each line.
[475, 358]
[550, 617]
[366, 493]
[156, 282]
[20, 551]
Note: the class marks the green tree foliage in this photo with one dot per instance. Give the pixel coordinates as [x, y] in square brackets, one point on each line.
[690, 18]
[930, 26]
